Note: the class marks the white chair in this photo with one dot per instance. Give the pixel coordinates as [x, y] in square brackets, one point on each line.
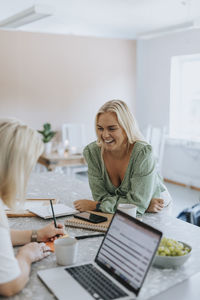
[156, 137]
[73, 136]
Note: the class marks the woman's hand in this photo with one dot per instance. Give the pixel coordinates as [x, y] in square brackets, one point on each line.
[34, 251]
[49, 232]
[83, 204]
[155, 205]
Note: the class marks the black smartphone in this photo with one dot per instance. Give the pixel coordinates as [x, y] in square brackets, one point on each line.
[86, 216]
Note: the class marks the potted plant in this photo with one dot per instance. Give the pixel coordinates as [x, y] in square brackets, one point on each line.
[47, 134]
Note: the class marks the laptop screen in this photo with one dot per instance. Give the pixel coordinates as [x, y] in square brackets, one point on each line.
[128, 249]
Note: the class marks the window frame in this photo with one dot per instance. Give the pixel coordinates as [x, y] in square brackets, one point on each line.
[176, 78]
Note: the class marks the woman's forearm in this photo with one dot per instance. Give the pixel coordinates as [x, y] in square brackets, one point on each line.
[20, 237]
[84, 204]
[13, 287]
[26, 255]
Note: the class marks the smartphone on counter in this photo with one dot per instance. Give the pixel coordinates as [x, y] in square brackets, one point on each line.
[86, 216]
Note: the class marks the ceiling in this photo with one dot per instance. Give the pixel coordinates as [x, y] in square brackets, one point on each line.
[129, 19]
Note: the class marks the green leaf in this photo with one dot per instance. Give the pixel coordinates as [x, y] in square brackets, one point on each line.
[47, 133]
[47, 126]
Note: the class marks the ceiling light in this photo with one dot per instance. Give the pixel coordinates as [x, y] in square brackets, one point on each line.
[166, 30]
[26, 16]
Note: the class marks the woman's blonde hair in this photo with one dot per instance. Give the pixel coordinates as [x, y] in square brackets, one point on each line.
[125, 119]
[20, 147]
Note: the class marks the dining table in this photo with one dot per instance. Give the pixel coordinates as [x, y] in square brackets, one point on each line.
[54, 160]
[66, 190]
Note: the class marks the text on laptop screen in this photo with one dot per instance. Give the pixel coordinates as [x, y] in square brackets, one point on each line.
[127, 250]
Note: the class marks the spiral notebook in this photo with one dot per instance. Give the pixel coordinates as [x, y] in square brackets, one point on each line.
[77, 223]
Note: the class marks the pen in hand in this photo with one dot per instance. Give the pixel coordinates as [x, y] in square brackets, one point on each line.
[54, 218]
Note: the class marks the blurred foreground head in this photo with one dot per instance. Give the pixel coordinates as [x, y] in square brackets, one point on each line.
[20, 148]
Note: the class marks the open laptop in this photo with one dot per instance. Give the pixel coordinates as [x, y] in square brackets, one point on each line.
[119, 269]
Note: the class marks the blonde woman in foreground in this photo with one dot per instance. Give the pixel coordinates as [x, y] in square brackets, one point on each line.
[20, 147]
[121, 165]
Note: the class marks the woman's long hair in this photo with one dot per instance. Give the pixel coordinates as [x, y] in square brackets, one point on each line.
[20, 148]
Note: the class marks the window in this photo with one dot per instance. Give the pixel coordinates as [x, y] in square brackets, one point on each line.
[185, 97]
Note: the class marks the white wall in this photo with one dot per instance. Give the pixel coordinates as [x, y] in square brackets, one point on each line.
[60, 78]
[181, 163]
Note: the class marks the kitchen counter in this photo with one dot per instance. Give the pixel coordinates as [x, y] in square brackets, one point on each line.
[67, 190]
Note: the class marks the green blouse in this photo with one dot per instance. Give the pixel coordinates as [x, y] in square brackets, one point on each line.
[141, 182]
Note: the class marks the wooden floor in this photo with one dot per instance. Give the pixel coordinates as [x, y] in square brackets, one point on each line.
[183, 197]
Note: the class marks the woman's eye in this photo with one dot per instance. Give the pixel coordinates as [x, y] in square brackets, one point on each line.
[100, 129]
[112, 129]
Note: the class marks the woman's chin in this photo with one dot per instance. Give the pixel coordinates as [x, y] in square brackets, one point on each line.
[109, 147]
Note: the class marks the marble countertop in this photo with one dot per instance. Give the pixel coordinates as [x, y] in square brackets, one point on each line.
[67, 190]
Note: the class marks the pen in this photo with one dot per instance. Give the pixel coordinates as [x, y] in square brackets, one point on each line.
[81, 237]
[54, 218]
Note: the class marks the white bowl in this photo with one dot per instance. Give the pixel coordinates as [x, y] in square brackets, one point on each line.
[172, 261]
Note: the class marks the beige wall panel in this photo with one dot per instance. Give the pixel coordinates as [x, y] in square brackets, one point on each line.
[59, 78]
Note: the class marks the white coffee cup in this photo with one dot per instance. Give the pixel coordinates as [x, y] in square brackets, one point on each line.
[129, 209]
[66, 251]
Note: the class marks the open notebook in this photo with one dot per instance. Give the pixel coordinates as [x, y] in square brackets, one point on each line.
[29, 204]
[60, 209]
[77, 223]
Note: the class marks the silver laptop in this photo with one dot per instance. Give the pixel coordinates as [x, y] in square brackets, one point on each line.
[119, 269]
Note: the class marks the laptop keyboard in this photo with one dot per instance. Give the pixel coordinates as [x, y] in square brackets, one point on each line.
[95, 282]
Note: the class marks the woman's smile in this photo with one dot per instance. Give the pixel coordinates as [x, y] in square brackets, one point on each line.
[109, 141]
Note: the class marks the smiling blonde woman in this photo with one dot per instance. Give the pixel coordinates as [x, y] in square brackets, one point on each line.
[121, 165]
